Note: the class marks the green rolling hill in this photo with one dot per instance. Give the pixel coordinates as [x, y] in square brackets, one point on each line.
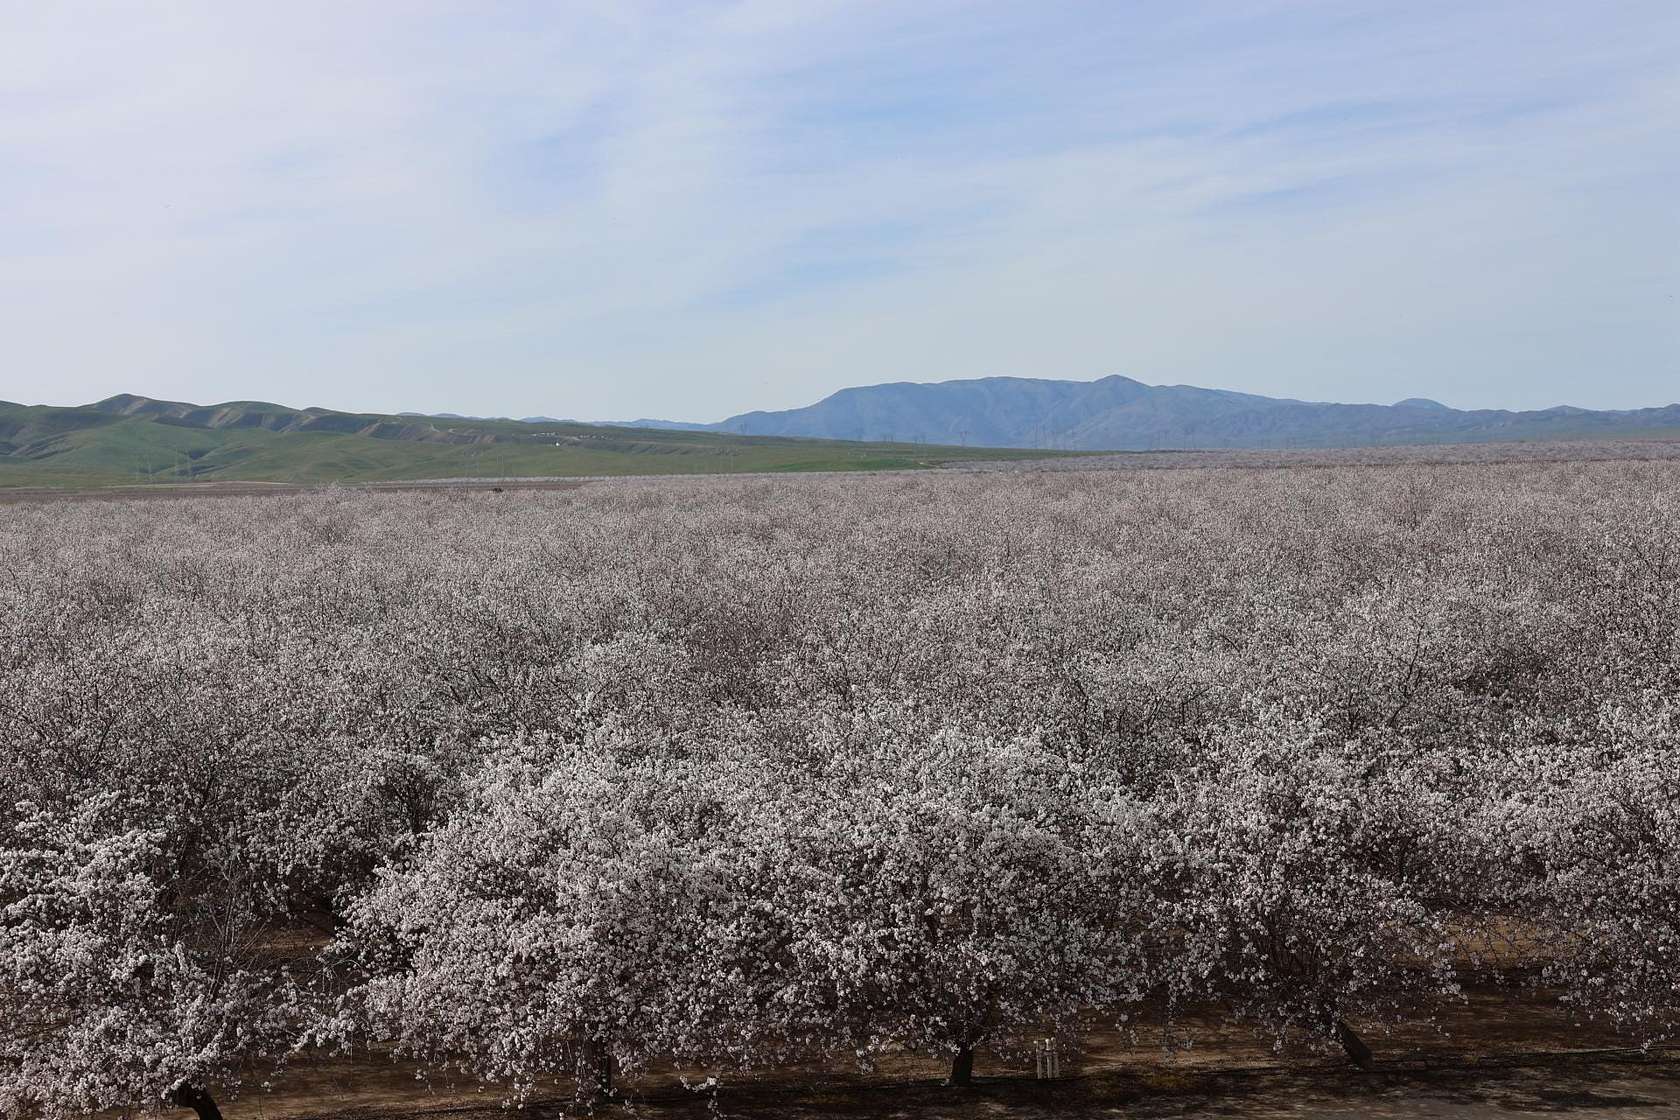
[127, 440]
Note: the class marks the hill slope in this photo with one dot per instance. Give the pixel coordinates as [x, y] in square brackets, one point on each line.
[128, 439]
[1119, 414]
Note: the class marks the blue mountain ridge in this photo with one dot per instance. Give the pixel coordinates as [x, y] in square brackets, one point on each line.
[1117, 413]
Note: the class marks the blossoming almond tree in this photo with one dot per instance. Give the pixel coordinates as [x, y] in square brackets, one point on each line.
[112, 996]
[1314, 887]
[1596, 849]
[572, 916]
[947, 890]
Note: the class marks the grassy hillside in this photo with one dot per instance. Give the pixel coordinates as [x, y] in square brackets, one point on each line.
[129, 440]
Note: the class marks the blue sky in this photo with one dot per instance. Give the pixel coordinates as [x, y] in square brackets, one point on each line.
[612, 210]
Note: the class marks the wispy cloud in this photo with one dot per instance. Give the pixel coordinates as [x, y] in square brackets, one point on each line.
[693, 209]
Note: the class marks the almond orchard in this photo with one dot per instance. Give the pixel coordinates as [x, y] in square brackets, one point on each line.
[544, 787]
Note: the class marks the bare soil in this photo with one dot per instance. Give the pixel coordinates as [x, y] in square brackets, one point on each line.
[1500, 1054]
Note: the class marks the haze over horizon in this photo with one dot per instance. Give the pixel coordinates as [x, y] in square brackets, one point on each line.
[687, 211]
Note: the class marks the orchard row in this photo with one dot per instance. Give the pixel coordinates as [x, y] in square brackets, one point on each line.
[738, 772]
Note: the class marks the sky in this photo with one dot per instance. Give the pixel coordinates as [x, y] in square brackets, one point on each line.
[682, 210]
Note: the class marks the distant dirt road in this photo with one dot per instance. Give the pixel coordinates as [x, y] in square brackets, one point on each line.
[250, 489]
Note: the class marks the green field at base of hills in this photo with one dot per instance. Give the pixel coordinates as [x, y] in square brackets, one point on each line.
[90, 447]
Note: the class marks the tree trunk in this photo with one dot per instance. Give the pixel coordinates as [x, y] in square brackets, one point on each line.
[594, 1070]
[1357, 1051]
[195, 1098]
[962, 1066]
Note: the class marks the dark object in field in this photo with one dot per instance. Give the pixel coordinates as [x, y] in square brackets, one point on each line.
[594, 1083]
[1357, 1051]
[187, 1095]
[962, 1067]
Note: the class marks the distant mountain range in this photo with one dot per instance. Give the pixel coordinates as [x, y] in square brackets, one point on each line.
[1119, 414]
[130, 438]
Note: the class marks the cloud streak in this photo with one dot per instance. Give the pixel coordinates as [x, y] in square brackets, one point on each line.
[691, 210]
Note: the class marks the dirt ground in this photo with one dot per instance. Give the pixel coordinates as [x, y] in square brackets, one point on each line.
[1497, 1056]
